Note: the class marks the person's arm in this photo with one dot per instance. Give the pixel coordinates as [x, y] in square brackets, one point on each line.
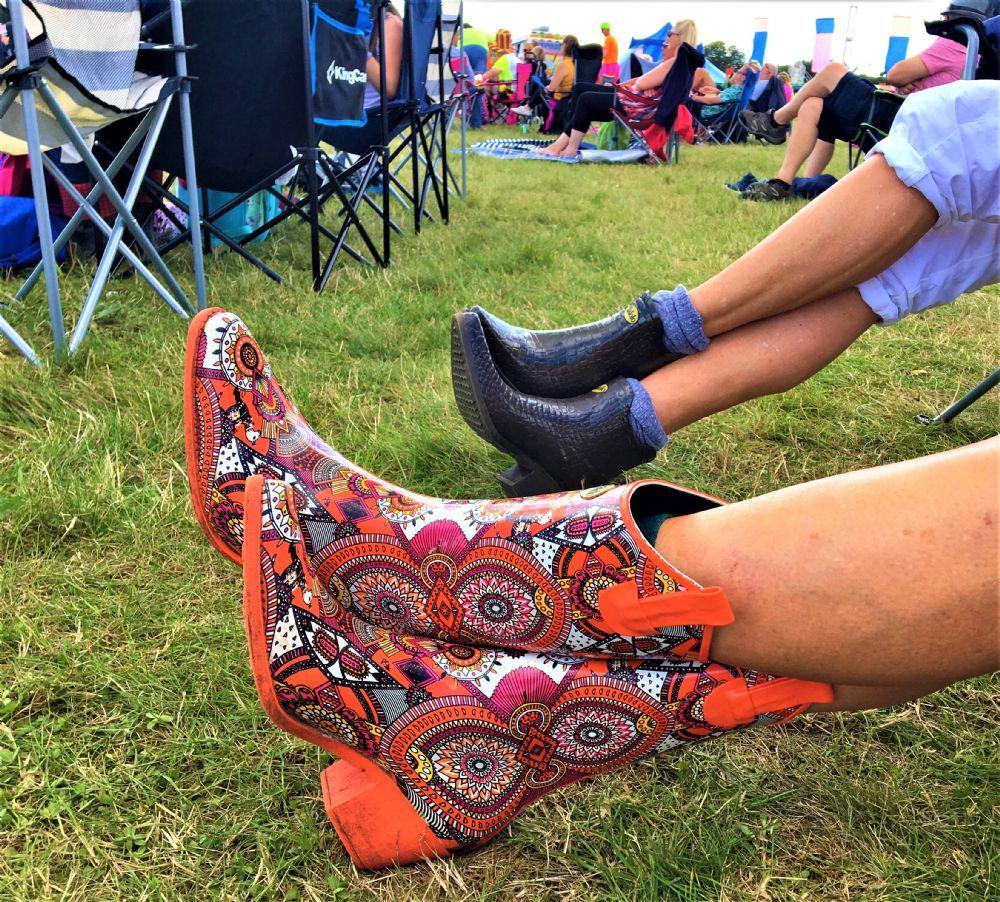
[393, 55]
[654, 77]
[907, 71]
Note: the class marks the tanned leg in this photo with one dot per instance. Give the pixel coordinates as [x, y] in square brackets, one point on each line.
[803, 139]
[819, 159]
[817, 252]
[762, 358]
[883, 577]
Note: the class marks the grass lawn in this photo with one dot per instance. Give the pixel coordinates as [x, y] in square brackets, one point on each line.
[135, 759]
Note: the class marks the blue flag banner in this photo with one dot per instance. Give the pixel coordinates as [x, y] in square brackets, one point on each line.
[899, 41]
[759, 40]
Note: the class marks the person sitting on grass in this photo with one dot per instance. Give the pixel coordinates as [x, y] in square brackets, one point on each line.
[833, 105]
[915, 226]
[594, 103]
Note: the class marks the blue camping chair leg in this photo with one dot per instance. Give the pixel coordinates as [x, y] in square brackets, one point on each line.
[30, 84]
[187, 141]
[967, 400]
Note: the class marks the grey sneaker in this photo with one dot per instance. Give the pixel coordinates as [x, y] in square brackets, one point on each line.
[770, 189]
[759, 124]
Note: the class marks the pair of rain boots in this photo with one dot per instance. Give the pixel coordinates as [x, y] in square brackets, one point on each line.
[461, 658]
[557, 401]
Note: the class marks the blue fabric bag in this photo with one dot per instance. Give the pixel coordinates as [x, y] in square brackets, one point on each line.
[19, 244]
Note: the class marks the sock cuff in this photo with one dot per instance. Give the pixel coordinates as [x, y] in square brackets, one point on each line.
[643, 420]
[683, 332]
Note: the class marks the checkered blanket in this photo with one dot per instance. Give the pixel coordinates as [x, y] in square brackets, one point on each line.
[527, 149]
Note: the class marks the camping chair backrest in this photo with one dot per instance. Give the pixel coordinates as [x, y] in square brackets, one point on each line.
[521, 85]
[449, 28]
[677, 85]
[587, 60]
[420, 24]
[969, 31]
[639, 66]
[251, 101]
[94, 87]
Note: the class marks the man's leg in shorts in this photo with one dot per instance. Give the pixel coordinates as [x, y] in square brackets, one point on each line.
[803, 140]
[821, 86]
[883, 577]
[820, 158]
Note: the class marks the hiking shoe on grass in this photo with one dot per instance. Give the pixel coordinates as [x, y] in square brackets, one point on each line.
[771, 189]
[760, 125]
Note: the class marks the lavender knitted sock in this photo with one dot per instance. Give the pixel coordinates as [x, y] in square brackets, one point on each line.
[682, 329]
[642, 418]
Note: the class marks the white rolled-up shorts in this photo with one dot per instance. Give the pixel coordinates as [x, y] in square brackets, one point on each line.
[945, 142]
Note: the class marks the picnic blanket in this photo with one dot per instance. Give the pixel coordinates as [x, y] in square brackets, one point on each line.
[527, 149]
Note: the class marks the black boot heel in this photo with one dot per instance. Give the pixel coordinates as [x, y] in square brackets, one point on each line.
[523, 481]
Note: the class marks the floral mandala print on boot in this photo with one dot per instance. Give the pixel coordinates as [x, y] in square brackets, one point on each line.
[566, 574]
[443, 745]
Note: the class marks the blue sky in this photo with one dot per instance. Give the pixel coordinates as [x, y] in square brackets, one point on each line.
[791, 25]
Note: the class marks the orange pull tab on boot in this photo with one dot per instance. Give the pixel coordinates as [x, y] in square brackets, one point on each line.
[733, 704]
[625, 613]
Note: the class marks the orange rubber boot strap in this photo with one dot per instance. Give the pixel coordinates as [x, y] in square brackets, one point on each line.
[734, 704]
[625, 613]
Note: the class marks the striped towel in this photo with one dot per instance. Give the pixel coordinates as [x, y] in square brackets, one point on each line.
[527, 149]
[87, 51]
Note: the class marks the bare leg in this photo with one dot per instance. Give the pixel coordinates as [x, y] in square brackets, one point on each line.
[762, 358]
[803, 139]
[573, 146]
[817, 252]
[884, 577]
[865, 698]
[819, 159]
[821, 86]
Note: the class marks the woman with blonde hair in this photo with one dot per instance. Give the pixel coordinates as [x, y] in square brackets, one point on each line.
[594, 103]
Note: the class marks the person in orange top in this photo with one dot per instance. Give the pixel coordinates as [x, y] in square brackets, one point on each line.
[610, 62]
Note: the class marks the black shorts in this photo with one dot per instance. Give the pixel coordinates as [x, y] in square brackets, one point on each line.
[845, 109]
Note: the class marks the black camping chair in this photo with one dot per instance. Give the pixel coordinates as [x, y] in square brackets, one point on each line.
[587, 62]
[254, 119]
[423, 144]
[875, 126]
[407, 119]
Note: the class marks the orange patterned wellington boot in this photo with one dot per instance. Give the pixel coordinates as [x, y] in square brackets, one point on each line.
[442, 745]
[568, 573]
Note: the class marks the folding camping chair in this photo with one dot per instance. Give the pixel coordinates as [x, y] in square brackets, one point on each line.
[448, 86]
[726, 128]
[877, 122]
[587, 60]
[261, 56]
[658, 111]
[982, 41]
[432, 111]
[73, 77]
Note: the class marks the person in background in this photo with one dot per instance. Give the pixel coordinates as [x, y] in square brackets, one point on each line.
[715, 102]
[478, 58]
[593, 103]
[833, 105]
[786, 81]
[393, 59]
[610, 65]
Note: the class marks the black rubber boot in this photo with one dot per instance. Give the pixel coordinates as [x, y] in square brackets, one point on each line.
[564, 363]
[558, 444]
